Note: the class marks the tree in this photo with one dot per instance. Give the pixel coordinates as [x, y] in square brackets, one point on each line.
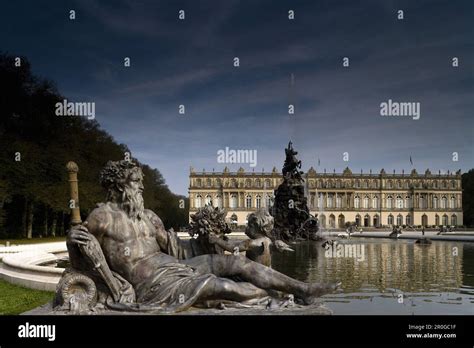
[35, 146]
[468, 197]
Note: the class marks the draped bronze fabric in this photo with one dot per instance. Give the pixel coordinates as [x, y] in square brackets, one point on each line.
[174, 287]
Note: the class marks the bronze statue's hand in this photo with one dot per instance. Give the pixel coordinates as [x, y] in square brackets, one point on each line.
[78, 235]
[127, 296]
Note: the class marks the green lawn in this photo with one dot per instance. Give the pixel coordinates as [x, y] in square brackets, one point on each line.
[32, 240]
[16, 299]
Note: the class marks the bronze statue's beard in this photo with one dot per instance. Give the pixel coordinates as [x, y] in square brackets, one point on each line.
[132, 203]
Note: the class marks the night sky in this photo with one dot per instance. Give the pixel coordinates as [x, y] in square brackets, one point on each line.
[190, 62]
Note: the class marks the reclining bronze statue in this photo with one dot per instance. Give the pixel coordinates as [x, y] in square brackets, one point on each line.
[122, 258]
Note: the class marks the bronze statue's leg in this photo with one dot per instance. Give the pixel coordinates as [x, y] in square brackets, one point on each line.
[257, 274]
[226, 289]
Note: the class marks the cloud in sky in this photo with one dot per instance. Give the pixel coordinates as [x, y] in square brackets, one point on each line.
[190, 62]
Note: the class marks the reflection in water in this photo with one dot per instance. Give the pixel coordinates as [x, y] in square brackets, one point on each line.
[431, 278]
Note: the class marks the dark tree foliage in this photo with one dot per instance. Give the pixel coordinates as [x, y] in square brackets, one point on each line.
[35, 146]
[468, 197]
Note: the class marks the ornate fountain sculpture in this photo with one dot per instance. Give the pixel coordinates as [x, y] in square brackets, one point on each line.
[122, 258]
[293, 220]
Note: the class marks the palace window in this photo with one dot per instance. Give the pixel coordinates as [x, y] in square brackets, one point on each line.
[341, 221]
[399, 220]
[248, 201]
[435, 202]
[424, 220]
[268, 200]
[435, 184]
[453, 184]
[338, 184]
[198, 183]
[437, 220]
[258, 183]
[258, 201]
[376, 221]
[375, 202]
[408, 220]
[389, 184]
[357, 184]
[407, 185]
[366, 220]
[407, 202]
[445, 220]
[422, 202]
[233, 183]
[357, 202]
[399, 184]
[389, 202]
[208, 200]
[208, 183]
[365, 184]
[329, 201]
[338, 201]
[390, 219]
[248, 183]
[454, 220]
[218, 201]
[366, 202]
[399, 202]
[268, 184]
[444, 202]
[452, 202]
[198, 201]
[233, 201]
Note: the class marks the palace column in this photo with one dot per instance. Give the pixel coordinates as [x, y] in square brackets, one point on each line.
[72, 170]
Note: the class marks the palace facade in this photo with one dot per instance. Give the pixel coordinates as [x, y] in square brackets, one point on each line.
[369, 200]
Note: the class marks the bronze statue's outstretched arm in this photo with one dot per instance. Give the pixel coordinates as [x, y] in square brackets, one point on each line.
[232, 246]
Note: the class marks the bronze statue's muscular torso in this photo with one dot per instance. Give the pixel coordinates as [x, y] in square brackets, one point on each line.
[130, 246]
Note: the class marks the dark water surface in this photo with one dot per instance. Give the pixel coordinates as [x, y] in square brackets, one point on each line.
[385, 276]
